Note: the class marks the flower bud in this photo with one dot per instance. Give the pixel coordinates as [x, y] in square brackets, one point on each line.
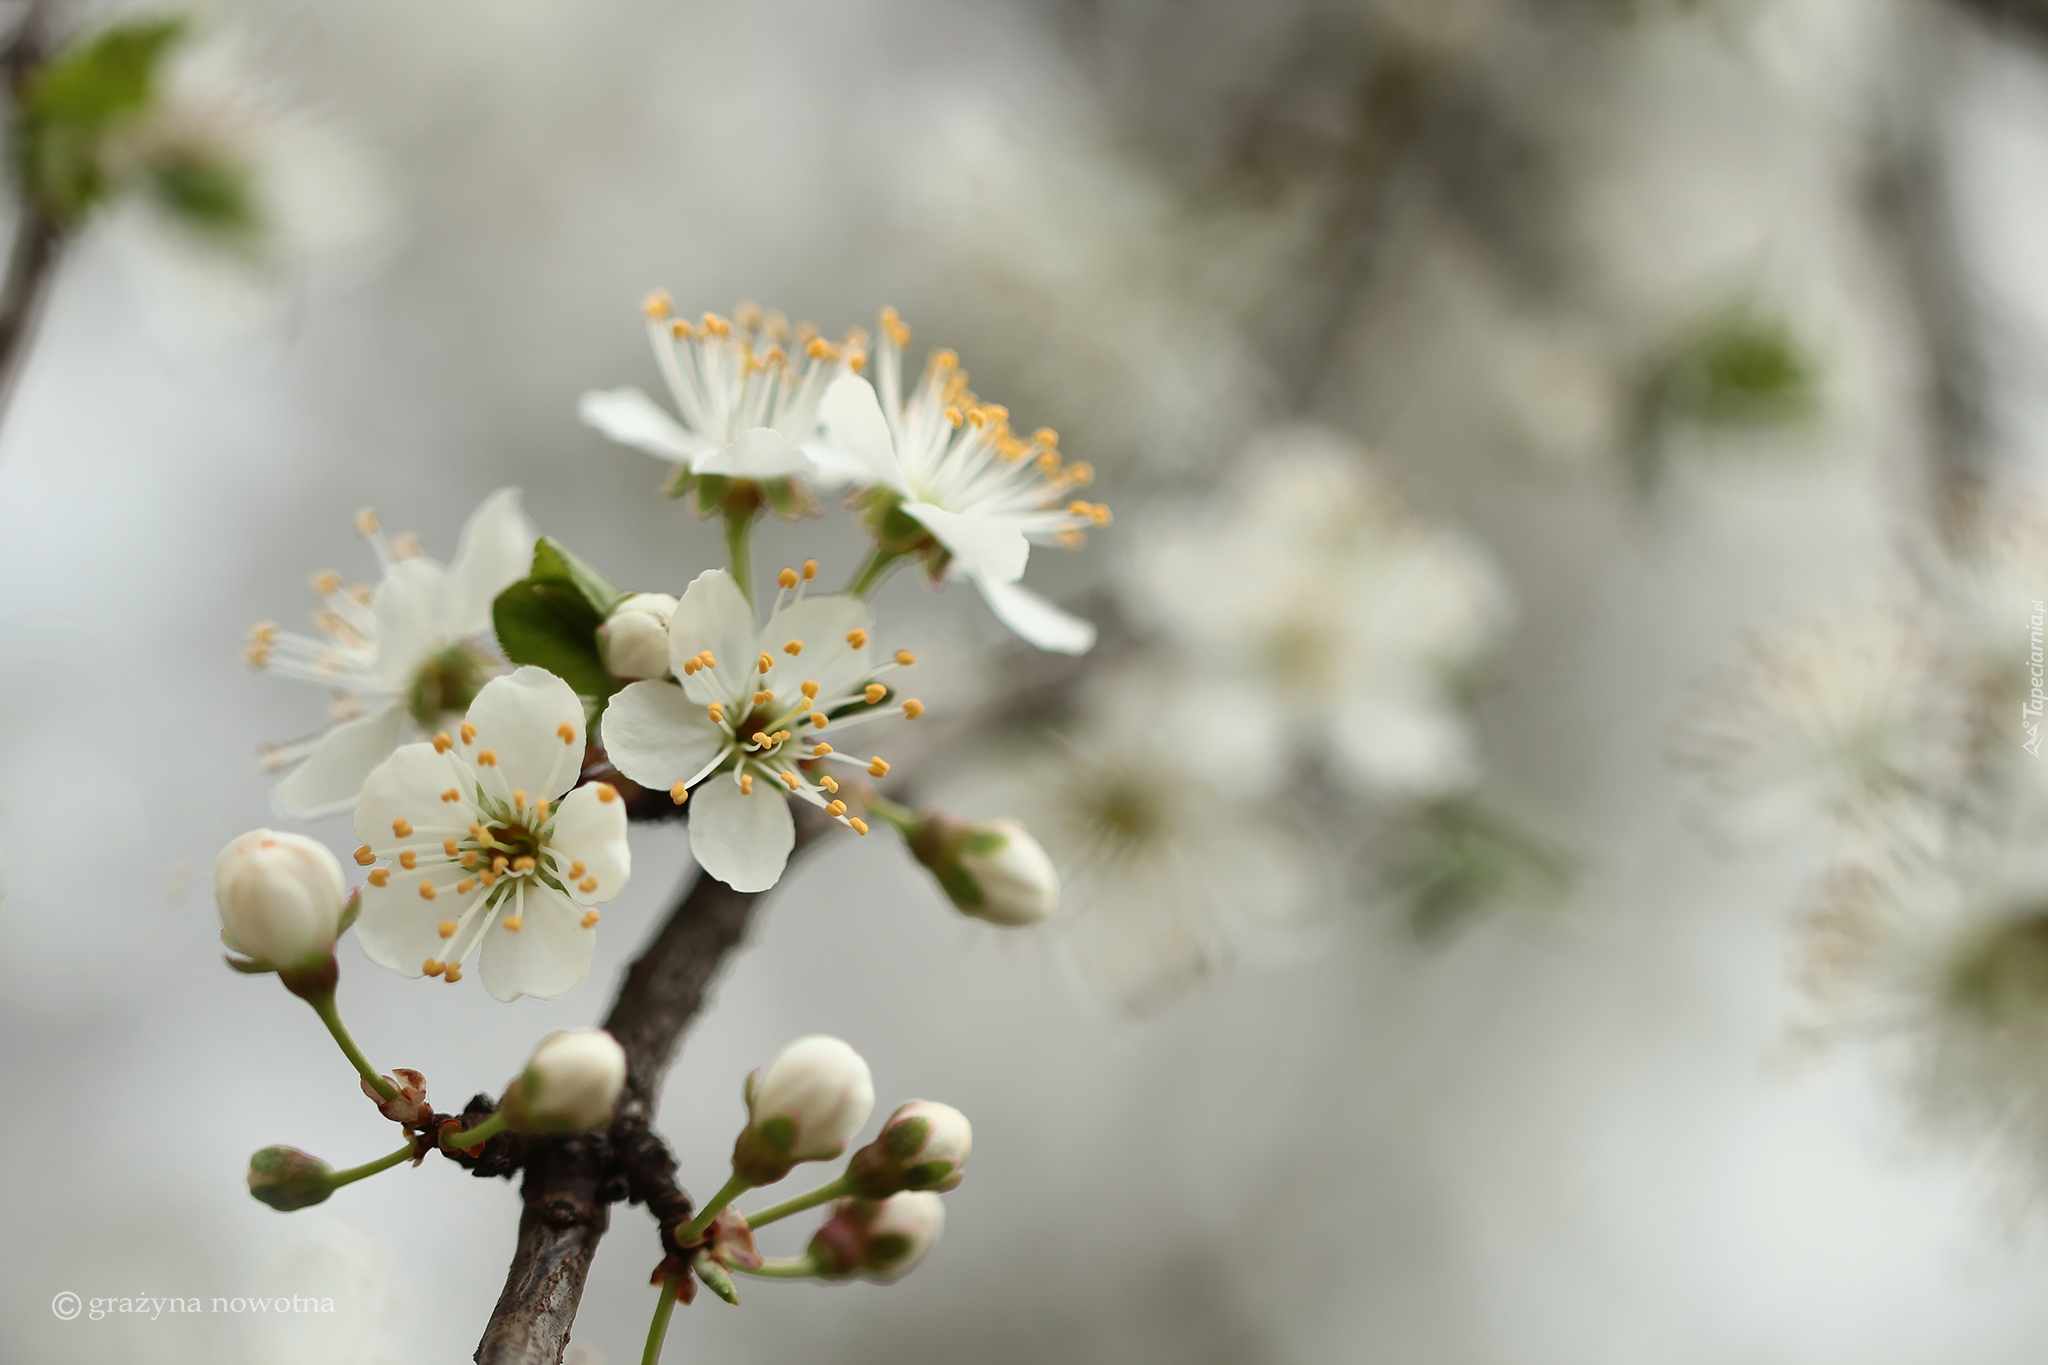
[923, 1146]
[814, 1096]
[885, 1240]
[286, 1178]
[994, 871]
[634, 638]
[571, 1084]
[281, 900]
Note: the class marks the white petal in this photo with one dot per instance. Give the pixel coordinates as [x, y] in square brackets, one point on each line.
[631, 418]
[412, 620]
[591, 830]
[657, 736]
[853, 419]
[714, 615]
[822, 623]
[741, 840]
[832, 467]
[519, 718]
[495, 551]
[406, 786]
[333, 773]
[548, 953]
[400, 931]
[990, 548]
[1035, 620]
[759, 453]
[1409, 747]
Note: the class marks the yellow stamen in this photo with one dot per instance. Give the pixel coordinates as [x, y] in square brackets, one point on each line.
[326, 583]
[408, 860]
[878, 768]
[810, 690]
[788, 778]
[469, 859]
[519, 798]
[658, 306]
[835, 809]
[679, 793]
[452, 973]
[427, 891]
[430, 967]
[566, 732]
[761, 740]
[468, 733]
[830, 783]
[874, 692]
[364, 856]
[500, 863]
[401, 827]
[540, 812]
[606, 793]
[857, 638]
[442, 743]
[587, 885]
[746, 784]
[452, 794]
[513, 923]
[819, 750]
[767, 662]
[463, 888]
[860, 826]
[590, 919]
[446, 928]
[576, 869]
[818, 720]
[366, 522]
[763, 698]
[380, 876]
[786, 579]
[488, 877]
[905, 657]
[810, 570]
[793, 648]
[716, 712]
[704, 659]
[487, 758]
[522, 864]
[913, 708]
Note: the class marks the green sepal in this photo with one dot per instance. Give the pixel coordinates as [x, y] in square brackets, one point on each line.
[715, 1277]
[550, 618]
[779, 1133]
[903, 1139]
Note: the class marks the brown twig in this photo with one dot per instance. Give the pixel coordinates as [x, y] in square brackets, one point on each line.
[572, 1183]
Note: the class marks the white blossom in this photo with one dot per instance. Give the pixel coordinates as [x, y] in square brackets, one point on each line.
[748, 393]
[1018, 883]
[570, 1085]
[732, 723]
[634, 638]
[397, 658]
[923, 1146]
[281, 898]
[482, 853]
[980, 490]
[1329, 619]
[813, 1097]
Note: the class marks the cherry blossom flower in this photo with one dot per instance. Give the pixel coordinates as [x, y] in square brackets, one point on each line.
[481, 852]
[981, 491]
[748, 691]
[747, 388]
[398, 658]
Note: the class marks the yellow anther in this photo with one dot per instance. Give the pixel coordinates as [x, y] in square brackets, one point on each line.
[519, 798]
[468, 733]
[452, 794]
[606, 793]
[465, 886]
[487, 758]
[819, 750]
[714, 325]
[679, 793]
[829, 783]
[587, 885]
[716, 712]
[499, 863]
[704, 659]
[452, 973]
[576, 869]
[818, 720]
[430, 967]
[789, 779]
[913, 708]
[874, 692]
[878, 768]
[1080, 474]
[380, 876]
[779, 736]
[366, 522]
[405, 545]
[427, 891]
[793, 648]
[326, 583]
[835, 809]
[786, 579]
[408, 860]
[449, 846]
[446, 928]
[810, 570]
[905, 658]
[857, 637]
[522, 864]
[540, 812]
[860, 826]
[513, 923]
[566, 732]
[766, 662]
[590, 918]
[1080, 509]
[401, 827]
[690, 666]
[364, 856]
[761, 739]
[442, 743]
[469, 859]
[488, 877]
[954, 418]
[658, 305]
[893, 328]
[763, 698]
[809, 689]
[680, 329]
[481, 835]
[817, 348]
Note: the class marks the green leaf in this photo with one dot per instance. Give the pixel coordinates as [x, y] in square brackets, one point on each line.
[71, 107]
[550, 618]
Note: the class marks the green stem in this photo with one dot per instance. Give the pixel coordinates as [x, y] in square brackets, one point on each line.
[731, 1190]
[323, 1005]
[777, 1212]
[658, 1329]
[739, 531]
[382, 1163]
[482, 1133]
[901, 816]
[878, 566]
[796, 1268]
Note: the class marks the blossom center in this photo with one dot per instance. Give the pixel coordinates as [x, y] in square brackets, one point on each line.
[447, 682]
[2003, 978]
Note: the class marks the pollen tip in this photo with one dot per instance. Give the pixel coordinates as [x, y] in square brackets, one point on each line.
[857, 637]
[905, 658]
[587, 885]
[658, 306]
[810, 569]
[566, 732]
[590, 918]
[818, 720]
[913, 708]
[401, 827]
[679, 793]
[446, 928]
[364, 856]
[513, 924]
[793, 648]
[786, 579]
[820, 749]
[859, 825]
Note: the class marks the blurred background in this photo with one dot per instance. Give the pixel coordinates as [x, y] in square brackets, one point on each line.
[1690, 317]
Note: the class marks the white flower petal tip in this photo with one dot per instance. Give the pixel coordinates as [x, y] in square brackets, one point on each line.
[761, 453]
[742, 837]
[1036, 621]
[474, 850]
[631, 418]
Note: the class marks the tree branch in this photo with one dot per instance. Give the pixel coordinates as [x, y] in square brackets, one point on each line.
[571, 1183]
[32, 255]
